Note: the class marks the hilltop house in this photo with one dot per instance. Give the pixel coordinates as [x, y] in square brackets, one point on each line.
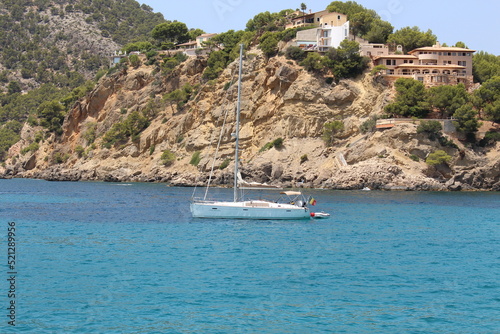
[331, 29]
[203, 38]
[321, 18]
[117, 56]
[434, 65]
[372, 50]
[190, 47]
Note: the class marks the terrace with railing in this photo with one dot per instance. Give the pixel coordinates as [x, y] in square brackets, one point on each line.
[388, 123]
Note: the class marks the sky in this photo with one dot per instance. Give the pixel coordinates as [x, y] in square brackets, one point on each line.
[477, 23]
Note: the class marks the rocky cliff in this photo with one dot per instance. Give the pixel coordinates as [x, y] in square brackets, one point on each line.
[279, 100]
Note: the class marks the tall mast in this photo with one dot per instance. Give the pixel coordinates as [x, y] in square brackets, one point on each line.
[237, 133]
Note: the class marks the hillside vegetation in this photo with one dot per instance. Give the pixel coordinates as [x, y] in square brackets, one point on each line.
[54, 50]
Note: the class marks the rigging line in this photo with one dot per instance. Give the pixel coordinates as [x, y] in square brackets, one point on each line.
[218, 143]
[216, 153]
[198, 93]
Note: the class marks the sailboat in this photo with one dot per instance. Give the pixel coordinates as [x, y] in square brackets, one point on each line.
[292, 205]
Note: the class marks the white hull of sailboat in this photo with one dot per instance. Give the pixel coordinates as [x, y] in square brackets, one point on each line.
[248, 210]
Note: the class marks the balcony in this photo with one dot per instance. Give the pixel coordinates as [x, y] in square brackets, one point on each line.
[428, 57]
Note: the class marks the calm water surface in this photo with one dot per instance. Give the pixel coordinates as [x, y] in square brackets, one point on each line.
[117, 258]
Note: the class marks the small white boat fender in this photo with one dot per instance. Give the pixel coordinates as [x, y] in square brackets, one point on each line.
[319, 215]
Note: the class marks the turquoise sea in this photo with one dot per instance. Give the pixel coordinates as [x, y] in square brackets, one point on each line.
[128, 258]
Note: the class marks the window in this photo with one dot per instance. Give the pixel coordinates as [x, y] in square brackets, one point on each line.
[338, 17]
[390, 62]
[462, 63]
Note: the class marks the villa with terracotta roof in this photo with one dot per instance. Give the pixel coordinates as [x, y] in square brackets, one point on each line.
[434, 65]
[190, 47]
[187, 45]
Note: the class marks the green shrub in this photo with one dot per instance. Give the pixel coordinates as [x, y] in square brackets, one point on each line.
[33, 147]
[314, 62]
[60, 158]
[151, 54]
[181, 96]
[224, 164]
[169, 64]
[195, 158]
[377, 69]
[89, 133]
[414, 158]
[79, 150]
[369, 125]
[443, 141]
[295, 53]
[51, 115]
[466, 121]
[266, 147]
[269, 43]
[277, 143]
[490, 138]
[432, 128]
[39, 136]
[181, 57]
[437, 158]
[152, 149]
[303, 158]
[167, 158]
[122, 131]
[134, 61]
[331, 130]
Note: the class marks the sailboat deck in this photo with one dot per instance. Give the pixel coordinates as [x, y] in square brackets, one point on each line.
[250, 204]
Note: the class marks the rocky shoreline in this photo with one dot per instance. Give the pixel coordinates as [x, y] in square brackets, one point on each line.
[368, 175]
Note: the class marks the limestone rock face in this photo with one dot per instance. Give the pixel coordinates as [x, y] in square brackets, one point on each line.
[279, 100]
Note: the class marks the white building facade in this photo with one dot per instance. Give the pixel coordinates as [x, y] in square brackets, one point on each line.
[322, 38]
